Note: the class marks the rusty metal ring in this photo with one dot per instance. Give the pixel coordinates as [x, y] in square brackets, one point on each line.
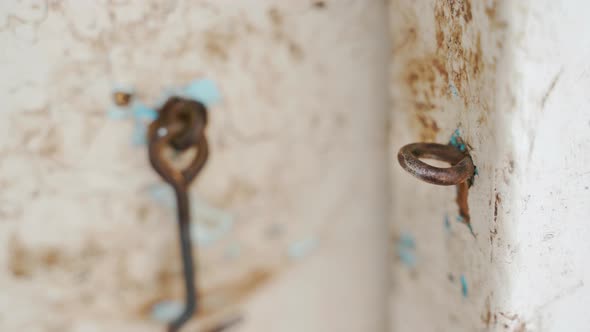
[461, 169]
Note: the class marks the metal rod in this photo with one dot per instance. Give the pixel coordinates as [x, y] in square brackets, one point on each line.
[190, 304]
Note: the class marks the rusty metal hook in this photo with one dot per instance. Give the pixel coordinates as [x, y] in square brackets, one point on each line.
[461, 169]
[460, 173]
[180, 125]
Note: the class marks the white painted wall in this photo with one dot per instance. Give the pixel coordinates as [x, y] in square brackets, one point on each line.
[520, 100]
[299, 154]
[299, 163]
[551, 270]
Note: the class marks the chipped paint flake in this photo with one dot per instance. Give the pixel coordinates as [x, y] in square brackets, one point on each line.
[464, 290]
[406, 250]
[303, 247]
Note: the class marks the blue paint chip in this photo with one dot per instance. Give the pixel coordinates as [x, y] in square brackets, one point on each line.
[463, 286]
[406, 240]
[457, 142]
[456, 139]
[138, 137]
[162, 194]
[204, 91]
[470, 229]
[213, 226]
[301, 248]
[469, 226]
[447, 223]
[118, 113]
[406, 246]
[140, 111]
[407, 258]
[166, 311]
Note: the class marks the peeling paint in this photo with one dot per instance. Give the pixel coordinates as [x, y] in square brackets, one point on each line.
[463, 286]
[447, 223]
[301, 248]
[406, 250]
[166, 311]
[202, 90]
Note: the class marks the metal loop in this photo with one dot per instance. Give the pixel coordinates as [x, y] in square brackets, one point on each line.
[180, 125]
[461, 170]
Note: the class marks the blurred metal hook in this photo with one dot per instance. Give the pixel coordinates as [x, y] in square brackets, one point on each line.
[180, 125]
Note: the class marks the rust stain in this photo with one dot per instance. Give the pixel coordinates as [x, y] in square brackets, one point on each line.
[486, 318]
[19, 259]
[440, 38]
[492, 11]
[426, 78]
[452, 19]
[142, 213]
[277, 19]
[462, 201]
[408, 39]
[476, 60]
[23, 262]
[165, 280]
[237, 290]
[218, 42]
[496, 205]
[51, 257]
[295, 50]
[238, 191]
[319, 4]
[494, 229]
[91, 250]
[51, 144]
[466, 9]
[429, 128]
[122, 98]
[215, 49]
[275, 16]
[458, 61]
[482, 118]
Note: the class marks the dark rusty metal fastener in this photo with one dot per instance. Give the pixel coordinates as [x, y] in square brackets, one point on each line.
[460, 173]
[461, 170]
[181, 126]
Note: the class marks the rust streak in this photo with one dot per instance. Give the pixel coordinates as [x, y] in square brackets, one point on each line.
[462, 202]
[496, 205]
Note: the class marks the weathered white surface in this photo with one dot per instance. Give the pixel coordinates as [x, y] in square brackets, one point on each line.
[298, 151]
[551, 220]
[520, 101]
